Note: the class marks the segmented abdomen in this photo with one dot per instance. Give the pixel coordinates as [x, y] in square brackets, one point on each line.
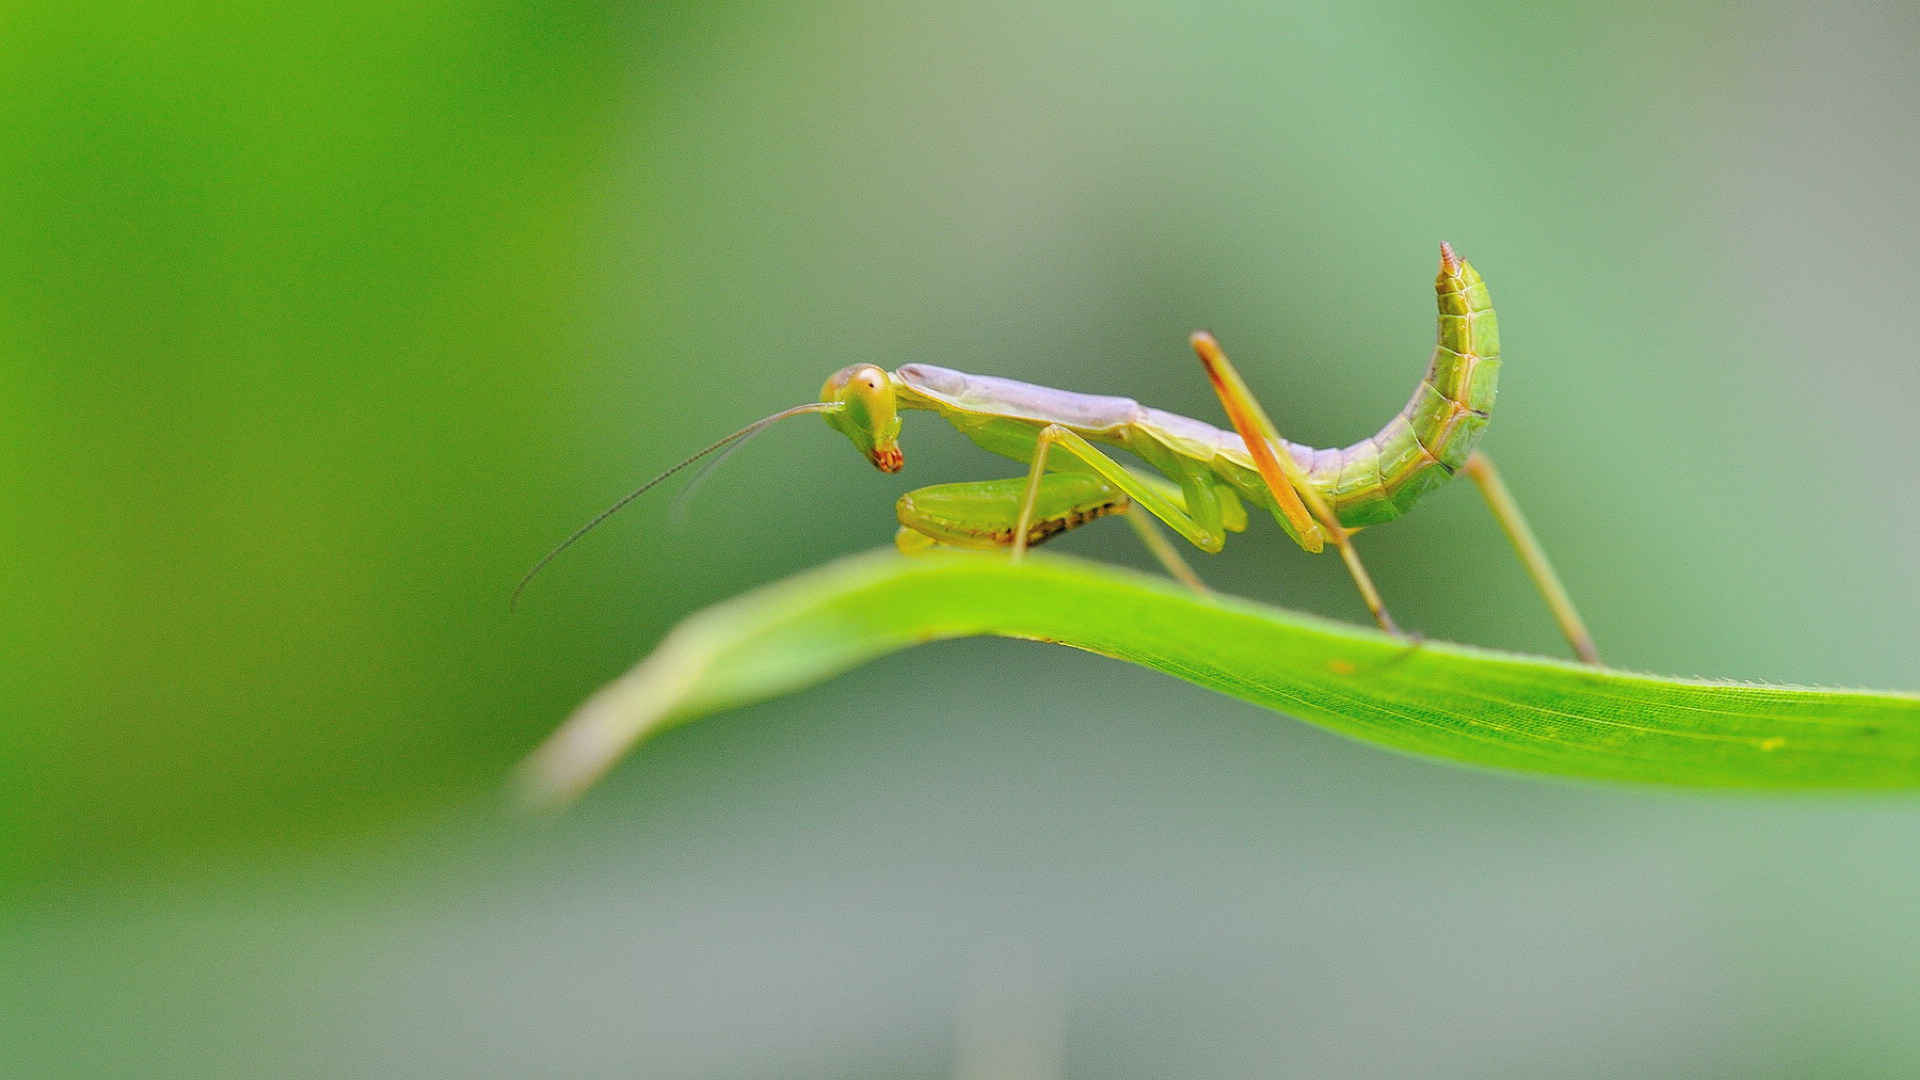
[1379, 478]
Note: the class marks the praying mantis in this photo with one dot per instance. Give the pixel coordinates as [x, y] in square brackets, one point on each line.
[1202, 476]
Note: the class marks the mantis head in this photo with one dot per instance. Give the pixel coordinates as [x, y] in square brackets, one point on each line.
[868, 414]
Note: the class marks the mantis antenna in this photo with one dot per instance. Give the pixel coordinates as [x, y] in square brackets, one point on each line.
[737, 437]
[677, 509]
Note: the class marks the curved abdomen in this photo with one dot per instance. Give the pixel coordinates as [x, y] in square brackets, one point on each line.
[1379, 478]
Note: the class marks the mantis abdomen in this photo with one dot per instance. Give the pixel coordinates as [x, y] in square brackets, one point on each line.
[1379, 478]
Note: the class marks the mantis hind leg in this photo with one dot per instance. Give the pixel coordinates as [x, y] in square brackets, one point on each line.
[1293, 493]
[987, 514]
[1480, 469]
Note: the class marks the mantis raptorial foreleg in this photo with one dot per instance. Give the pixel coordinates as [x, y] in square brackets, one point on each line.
[1284, 477]
[985, 513]
[1480, 469]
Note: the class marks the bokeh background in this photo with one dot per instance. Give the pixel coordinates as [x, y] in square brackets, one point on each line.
[320, 325]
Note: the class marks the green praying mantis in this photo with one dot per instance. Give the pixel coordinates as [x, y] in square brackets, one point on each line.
[1202, 476]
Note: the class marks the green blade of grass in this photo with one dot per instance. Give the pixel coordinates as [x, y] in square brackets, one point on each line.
[1462, 704]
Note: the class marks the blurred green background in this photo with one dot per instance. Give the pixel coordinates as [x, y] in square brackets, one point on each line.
[321, 325]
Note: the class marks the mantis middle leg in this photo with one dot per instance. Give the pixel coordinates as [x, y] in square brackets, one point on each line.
[1202, 521]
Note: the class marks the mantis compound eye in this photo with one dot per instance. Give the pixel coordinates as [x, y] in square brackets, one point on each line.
[857, 380]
